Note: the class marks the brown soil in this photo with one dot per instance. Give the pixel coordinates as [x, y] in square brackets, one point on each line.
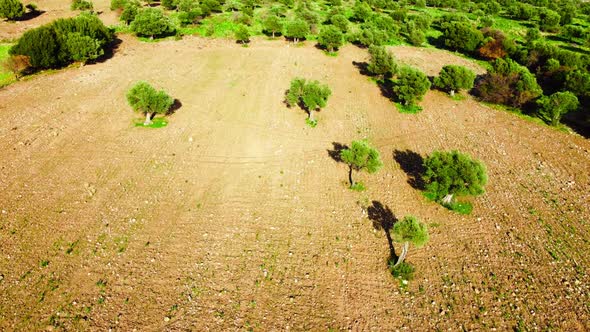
[234, 216]
[431, 60]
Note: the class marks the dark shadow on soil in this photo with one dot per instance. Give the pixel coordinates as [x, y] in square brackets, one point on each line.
[110, 50]
[175, 107]
[385, 84]
[413, 164]
[335, 153]
[383, 219]
[31, 14]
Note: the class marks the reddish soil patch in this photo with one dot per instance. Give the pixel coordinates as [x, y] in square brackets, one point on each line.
[235, 216]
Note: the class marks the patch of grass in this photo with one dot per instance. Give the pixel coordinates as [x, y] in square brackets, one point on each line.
[44, 263]
[6, 77]
[458, 97]
[156, 123]
[332, 54]
[312, 123]
[403, 271]
[408, 109]
[459, 207]
[358, 186]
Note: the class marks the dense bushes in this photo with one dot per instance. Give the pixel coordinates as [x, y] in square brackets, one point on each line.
[151, 22]
[508, 83]
[63, 41]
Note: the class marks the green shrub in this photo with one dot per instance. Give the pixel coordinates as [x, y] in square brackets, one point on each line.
[11, 9]
[143, 98]
[152, 22]
[403, 270]
[411, 85]
[330, 37]
[81, 5]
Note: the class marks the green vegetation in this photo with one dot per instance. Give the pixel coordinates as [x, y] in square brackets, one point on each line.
[143, 98]
[11, 9]
[151, 22]
[63, 41]
[453, 78]
[406, 231]
[361, 156]
[310, 95]
[81, 5]
[449, 174]
[410, 85]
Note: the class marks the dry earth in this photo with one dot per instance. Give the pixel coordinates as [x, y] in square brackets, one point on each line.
[235, 217]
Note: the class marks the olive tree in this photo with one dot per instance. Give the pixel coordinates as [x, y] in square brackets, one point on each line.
[411, 85]
[361, 156]
[552, 108]
[311, 95]
[453, 78]
[297, 29]
[382, 63]
[330, 37]
[406, 231]
[151, 22]
[242, 34]
[145, 99]
[272, 24]
[11, 9]
[453, 173]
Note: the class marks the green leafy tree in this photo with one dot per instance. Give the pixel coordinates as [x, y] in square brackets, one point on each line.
[145, 99]
[361, 156]
[11, 9]
[83, 48]
[340, 21]
[312, 95]
[297, 29]
[406, 231]
[411, 85]
[272, 24]
[362, 12]
[549, 20]
[452, 173]
[330, 37]
[151, 22]
[453, 78]
[118, 4]
[40, 45]
[382, 62]
[461, 36]
[243, 34]
[81, 5]
[169, 4]
[129, 12]
[416, 37]
[552, 108]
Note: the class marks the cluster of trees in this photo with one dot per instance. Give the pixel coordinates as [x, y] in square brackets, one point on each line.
[62, 42]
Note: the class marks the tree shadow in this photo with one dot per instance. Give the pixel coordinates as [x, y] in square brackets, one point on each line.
[413, 164]
[175, 106]
[31, 14]
[383, 219]
[335, 153]
[110, 50]
[362, 67]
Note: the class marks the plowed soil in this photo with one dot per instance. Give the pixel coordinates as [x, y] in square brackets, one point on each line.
[235, 216]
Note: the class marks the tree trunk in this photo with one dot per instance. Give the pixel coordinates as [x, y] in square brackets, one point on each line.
[273, 35]
[350, 175]
[295, 39]
[402, 256]
[452, 93]
[310, 115]
[447, 199]
[148, 119]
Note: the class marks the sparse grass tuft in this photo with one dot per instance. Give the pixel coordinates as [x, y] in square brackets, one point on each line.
[358, 186]
[408, 109]
[156, 123]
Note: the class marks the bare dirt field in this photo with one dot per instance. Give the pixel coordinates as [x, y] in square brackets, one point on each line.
[235, 217]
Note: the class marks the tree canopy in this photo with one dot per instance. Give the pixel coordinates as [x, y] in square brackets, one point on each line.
[453, 173]
[311, 94]
[409, 230]
[297, 29]
[361, 156]
[552, 108]
[145, 99]
[411, 85]
[382, 63]
[330, 37]
[151, 22]
[11, 9]
[453, 78]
